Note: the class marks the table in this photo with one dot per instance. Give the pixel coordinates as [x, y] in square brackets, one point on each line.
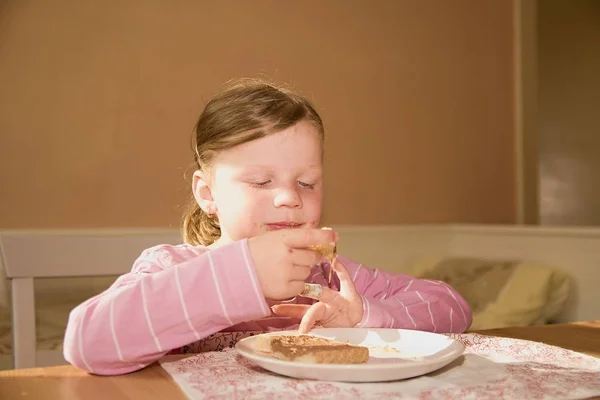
[67, 382]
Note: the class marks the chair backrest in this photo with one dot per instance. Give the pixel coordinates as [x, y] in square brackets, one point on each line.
[68, 253]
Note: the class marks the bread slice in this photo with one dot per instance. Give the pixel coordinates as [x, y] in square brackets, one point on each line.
[312, 349]
[327, 251]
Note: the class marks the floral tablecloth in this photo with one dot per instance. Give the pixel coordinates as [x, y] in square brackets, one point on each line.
[491, 368]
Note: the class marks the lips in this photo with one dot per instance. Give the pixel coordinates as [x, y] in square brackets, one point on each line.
[283, 225]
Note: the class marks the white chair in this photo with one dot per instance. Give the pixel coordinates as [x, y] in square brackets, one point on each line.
[71, 253]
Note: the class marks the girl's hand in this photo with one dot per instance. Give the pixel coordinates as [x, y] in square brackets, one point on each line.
[334, 309]
[282, 259]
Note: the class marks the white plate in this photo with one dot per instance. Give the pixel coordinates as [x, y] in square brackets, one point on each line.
[418, 353]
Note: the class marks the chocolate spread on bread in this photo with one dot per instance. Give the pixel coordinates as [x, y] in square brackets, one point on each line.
[317, 350]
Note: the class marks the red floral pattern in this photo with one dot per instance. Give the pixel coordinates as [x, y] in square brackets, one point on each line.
[216, 342]
[492, 368]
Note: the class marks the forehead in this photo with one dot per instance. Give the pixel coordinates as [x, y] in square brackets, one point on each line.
[298, 146]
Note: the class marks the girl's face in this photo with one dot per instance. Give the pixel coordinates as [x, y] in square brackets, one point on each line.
[274, 182]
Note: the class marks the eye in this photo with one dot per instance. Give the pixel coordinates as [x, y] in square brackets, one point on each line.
[260, 184]
[306, 185]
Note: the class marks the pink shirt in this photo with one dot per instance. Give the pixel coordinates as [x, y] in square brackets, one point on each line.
[177, 295]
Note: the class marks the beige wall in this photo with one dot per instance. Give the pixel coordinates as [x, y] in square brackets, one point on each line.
[569, 106]
[99, 99]
[526, 111]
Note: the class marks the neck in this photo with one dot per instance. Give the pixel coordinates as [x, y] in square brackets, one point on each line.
[222, 241]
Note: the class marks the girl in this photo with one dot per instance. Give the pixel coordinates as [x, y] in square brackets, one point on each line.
[247, 255]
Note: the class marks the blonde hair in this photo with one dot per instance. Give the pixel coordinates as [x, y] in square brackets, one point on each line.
[246, 110]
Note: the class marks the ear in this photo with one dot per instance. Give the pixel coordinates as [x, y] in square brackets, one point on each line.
[202, 192]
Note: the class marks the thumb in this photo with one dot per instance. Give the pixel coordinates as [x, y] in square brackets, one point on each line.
[346, 283]
[303, 238]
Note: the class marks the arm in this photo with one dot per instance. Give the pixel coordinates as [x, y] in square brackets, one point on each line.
[171, 298]
[402, 301]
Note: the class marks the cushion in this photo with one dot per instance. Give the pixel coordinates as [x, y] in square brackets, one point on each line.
[502, 293]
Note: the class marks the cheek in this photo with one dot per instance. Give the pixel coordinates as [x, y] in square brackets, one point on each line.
[247, 205]
[314, 223]
[312, 201]
[233, 197]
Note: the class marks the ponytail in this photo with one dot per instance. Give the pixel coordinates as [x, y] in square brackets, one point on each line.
[198, 227]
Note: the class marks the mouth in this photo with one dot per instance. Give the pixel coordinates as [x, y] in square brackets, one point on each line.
[283, 225]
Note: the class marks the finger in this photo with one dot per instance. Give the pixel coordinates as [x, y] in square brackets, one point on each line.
[324, 294]
[312, 291]
[305, 257]
[315, 313]
[294, 288]
[304, 237]
[291, 310]
[299, 273]
[346, 283]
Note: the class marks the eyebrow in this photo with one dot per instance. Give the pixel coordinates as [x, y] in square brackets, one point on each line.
[269, 168]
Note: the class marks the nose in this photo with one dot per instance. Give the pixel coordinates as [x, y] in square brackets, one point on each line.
[287, 197]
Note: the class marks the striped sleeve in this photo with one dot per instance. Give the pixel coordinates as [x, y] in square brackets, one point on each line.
[170, 299]
[402, 301]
